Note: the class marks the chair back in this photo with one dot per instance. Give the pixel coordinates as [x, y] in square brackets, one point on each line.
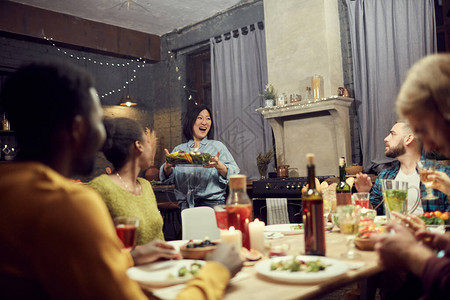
[198, 223]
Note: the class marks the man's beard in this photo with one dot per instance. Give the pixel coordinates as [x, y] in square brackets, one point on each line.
[395, 151]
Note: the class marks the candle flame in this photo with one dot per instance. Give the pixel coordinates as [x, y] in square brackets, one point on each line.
[256, 220]
[231, 228]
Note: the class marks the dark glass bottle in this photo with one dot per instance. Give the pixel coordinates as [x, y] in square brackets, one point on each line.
[343, 190]
[239, 207]
[313, 214]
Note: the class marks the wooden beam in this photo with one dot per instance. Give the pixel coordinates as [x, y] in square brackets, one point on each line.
[39, 23]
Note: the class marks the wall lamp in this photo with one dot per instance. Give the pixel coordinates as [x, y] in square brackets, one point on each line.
[128, 102]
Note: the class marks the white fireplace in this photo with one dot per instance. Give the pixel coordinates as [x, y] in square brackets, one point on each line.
[321, 127]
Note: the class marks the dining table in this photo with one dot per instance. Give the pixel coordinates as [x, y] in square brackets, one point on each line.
[257, 286]
[252, 285]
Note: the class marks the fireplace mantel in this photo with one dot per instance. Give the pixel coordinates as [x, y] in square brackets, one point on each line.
[321, 126]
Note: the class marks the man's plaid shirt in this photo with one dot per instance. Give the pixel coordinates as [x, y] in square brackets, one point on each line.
[376, 195]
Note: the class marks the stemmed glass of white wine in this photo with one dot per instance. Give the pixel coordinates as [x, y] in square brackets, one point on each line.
[427, 167]
[349, 224]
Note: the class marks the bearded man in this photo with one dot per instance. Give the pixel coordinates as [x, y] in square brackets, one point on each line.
[402, 145]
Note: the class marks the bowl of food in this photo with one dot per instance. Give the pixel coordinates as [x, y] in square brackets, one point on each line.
[367, 227]
[197, 250]
[364, 244]
[353, 169]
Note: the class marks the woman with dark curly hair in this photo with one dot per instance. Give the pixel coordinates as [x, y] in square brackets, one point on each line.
[194, 185]
[130, 148]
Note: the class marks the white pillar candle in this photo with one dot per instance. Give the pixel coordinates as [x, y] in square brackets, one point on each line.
[256, 229]
[233, 237]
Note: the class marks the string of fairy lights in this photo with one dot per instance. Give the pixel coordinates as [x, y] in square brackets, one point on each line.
[138, 62]
[179, 78]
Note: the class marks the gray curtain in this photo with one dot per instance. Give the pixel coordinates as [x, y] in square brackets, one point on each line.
[238, 75]
[387, 37]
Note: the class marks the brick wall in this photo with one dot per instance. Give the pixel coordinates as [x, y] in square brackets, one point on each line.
[18, 50]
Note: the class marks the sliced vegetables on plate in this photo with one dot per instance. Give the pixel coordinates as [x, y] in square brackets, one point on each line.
[436, 218]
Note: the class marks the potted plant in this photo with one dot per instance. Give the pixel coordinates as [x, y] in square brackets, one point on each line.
[262, 162]
[269, 95]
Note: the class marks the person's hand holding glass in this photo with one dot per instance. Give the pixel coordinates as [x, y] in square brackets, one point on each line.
[426, 168]
[348, 216]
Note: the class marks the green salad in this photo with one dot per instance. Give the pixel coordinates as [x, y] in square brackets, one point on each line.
[296, 265]
[296, 227]
[184, 271]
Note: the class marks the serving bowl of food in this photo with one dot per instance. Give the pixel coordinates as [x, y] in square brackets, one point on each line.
[198, 250]
[188, 158]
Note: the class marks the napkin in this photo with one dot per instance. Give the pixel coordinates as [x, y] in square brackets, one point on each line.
[277, 212]
[171, 292]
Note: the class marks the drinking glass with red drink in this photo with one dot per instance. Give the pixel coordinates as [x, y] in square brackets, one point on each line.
[361, 199]
[126, 230]
[221, 216]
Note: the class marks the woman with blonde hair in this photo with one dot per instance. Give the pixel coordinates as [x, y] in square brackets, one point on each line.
[424, 100]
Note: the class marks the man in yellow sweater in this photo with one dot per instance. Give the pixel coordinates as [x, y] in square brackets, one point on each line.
[57, 240]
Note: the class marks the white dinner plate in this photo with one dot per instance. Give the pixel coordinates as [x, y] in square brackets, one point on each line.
[437, 228]
[284, 229]
[335, 268]
[158, 274]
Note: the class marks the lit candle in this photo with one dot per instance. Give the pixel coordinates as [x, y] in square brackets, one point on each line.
[256, 229]
[233, 237]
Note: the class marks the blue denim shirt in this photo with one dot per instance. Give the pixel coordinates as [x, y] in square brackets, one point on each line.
[194, 184]
[376, 195]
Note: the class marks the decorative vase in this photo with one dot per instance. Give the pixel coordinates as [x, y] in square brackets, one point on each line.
[262, 169]
[269, 102]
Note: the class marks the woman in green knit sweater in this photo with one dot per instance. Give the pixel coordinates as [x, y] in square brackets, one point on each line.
[130, 149]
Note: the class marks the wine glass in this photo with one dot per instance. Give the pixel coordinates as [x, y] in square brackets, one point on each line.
[126, 228]
[348, 216]
[427, 167]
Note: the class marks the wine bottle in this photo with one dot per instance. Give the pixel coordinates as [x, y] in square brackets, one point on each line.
[343, 190]
[5, 123]
[314, 226]
[239, 207]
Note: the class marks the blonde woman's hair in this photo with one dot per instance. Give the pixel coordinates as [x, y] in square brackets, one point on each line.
[426, 87]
